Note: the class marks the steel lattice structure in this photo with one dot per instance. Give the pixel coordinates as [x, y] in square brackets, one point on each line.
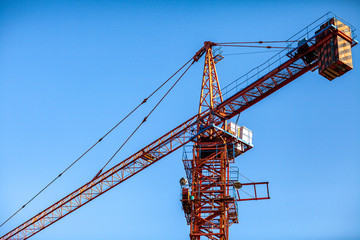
[213, 210]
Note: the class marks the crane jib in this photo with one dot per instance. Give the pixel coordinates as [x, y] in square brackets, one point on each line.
[293, 68]
[269, 83]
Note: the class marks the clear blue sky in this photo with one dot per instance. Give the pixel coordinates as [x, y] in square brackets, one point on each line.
[69, 70]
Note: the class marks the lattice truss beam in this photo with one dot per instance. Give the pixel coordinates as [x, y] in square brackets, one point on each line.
[290, 70]
[166, 144]
[124, 170]
[210, 187]
[111, 178]
[268, 85]
[210, 90]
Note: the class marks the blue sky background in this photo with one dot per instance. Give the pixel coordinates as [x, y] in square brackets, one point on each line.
[69, 70]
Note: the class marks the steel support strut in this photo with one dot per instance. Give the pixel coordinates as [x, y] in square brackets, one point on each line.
[209, 215]
[213, 209]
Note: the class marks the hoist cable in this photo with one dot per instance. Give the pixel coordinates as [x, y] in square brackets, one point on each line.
[143, 121]
[144, 101]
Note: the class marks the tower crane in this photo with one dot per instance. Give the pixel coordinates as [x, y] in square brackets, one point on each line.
[211, 142]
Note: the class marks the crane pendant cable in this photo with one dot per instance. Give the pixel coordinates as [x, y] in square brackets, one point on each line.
[226, 44]
[112, 129]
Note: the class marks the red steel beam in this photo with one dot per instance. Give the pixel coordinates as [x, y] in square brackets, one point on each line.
[106, 181]
[269, 83]
[160, 148]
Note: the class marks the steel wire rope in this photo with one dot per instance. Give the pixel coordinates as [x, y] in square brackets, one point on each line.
[247, 193]
[260, 42]
[113, 128]
[231, 54]
[252, 46]
[231, 44]
[143, 121]
[247, 179]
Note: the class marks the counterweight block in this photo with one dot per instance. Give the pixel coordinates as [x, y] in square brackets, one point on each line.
[335, 57]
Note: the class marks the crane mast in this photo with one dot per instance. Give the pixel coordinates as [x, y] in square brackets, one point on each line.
[208, 194]
[211, 192]
[212, 209]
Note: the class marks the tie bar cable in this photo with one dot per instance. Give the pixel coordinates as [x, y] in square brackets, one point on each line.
[88, 150]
